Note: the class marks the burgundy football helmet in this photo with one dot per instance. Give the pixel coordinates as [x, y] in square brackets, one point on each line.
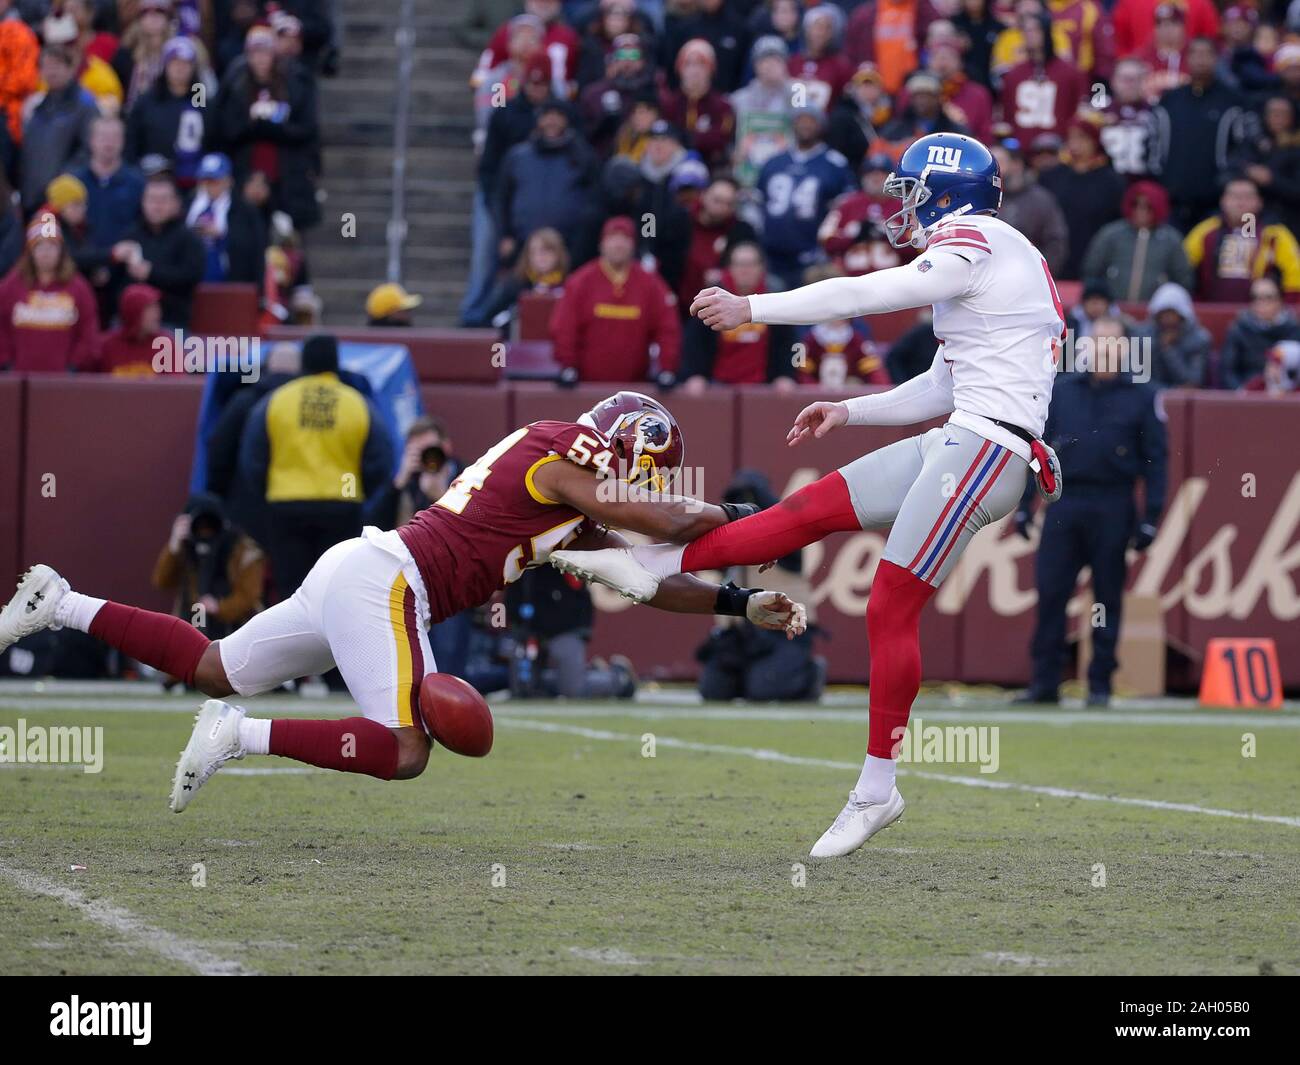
[646, 439]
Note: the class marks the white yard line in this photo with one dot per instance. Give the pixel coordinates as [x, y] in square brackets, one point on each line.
[294, 706]
[131, 928]
[766, 755]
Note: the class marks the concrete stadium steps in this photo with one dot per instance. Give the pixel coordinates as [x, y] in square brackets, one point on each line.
[356, 116]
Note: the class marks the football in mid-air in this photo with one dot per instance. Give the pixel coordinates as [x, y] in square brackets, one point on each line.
[456, 714]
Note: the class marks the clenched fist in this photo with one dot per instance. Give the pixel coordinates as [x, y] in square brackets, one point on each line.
[719, 309]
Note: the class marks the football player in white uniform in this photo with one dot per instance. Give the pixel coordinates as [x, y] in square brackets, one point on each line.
[1000, 323]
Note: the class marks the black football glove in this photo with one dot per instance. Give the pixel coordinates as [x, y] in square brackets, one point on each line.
[568, 377]
[1143, 537]
[736, 511]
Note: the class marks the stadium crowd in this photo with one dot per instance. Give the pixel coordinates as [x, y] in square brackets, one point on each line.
[146, 147]
[634, 151]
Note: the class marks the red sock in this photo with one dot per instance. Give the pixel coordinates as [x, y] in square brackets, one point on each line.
[353, 745]
[894, 631]
[815, 511]
[159, 640]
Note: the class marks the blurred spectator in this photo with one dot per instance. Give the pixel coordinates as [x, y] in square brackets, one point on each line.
[559, 43]
[634, 134]
[508, 126]
[1040, 94]
[93, 74]
[1266, 322]
[268, 122]
[66, 196]
[113, 187]
[1272, 160]
[821, 66]
[19, 74]
[797, 186]
[1236, 245]
[390, 305]
[1044, 153]
[611, 314]
[697, 107]
[1031, 209]
[1095, 304]
[1286, 67]
[1240, 63]
[852, 233]
[722, 27]
[763, 110]
[605, 104]
[777, 18]
[924, 112]
[979, 27]
[314, 450]
[129, 349]
[48, 321]
[96, 42]
[1180, 346]
[233, 231]
[1281, 376]
[1108, 433]
[1087, 189]
[669, 235]
[1009, 48]
[161, 251]
[751, 354]
[611, 20]
[966, 102]
[889, 33]
[1135, 22]
[838, 353]
[1139, 252]
[546, 180]
[140, 59]
[56, 136]
[1129, 133]
[165, 119]
[1166, 54]
[13, 233]
[524, 46]
[1200, 126]
[859, 113]
[210, 563]
[541, 269]
[715, 229]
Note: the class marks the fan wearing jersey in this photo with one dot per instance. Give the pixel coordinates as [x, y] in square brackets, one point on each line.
[368, 602]
[999, 322]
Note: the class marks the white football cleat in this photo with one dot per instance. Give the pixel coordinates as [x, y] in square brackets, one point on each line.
[213, 743]
[856, 824]
[614, 567]
[33, 605]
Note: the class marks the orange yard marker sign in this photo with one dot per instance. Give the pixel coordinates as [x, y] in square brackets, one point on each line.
[1241, 673]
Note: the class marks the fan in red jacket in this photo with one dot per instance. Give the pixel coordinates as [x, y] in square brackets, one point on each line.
[48, 319]
[1041, 94]
[130, 348]
[1135, 22]
[560, 42]
[698, 107]
[611, 312]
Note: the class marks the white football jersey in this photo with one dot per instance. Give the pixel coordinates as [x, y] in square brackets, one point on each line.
[1001, 336]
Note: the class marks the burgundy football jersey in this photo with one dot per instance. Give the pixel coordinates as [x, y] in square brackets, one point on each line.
[493, 522]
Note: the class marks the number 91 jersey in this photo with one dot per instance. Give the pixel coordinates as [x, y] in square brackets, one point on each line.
[493, 522]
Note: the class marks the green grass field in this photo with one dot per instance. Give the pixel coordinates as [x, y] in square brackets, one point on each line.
[568, 851]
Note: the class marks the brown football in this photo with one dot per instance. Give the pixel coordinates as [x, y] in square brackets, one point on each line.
[457, 716]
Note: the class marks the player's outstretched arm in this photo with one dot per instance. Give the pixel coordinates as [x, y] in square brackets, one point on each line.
[945, 276]
[684, 593]
[675, 519]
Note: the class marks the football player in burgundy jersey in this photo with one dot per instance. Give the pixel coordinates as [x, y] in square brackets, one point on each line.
[367, 604]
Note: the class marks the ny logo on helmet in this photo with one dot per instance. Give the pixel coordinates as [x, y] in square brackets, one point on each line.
[942, 156]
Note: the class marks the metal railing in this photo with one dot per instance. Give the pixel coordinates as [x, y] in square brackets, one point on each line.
[404, 39]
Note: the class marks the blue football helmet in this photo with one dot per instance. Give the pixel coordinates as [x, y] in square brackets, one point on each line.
[940, 175]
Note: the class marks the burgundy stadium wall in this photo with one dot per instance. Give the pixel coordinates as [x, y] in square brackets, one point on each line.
[1227, 561]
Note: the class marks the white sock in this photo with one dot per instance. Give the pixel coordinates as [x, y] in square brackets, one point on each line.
[663, 560]
[876, 782]
[255, 735]
[77, 611]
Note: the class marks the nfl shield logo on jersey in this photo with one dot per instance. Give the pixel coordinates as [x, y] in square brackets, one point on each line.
[923, 266]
